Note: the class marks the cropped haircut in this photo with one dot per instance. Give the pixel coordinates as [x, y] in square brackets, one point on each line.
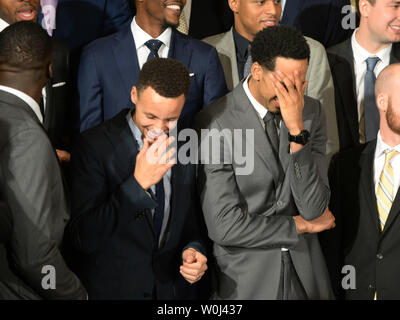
[25, 45]
[168, 77]
[278, 41]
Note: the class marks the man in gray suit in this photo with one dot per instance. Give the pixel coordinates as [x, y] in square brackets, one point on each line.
[33, 204]
[264, 222]
[251, 17]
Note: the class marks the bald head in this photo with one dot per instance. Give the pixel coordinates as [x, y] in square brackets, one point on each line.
[388, 80]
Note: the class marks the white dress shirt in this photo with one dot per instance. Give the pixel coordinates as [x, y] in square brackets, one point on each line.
[141, 37]
[360, 68]
[3, 24]
[379, 162]
[27, 99]
[283, 2]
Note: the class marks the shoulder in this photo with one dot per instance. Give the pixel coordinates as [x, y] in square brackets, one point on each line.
[216, 39]
[198, 46]
[314, 44]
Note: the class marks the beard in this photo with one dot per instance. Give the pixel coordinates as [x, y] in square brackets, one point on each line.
[393, 119]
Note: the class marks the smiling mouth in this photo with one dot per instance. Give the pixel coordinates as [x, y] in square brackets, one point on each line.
[176, 8]
[27, 14]
[395, 28]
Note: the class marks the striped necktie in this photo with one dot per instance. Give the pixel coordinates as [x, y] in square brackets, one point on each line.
[384, 194]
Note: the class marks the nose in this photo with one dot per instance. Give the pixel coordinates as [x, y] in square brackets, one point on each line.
[272, 8]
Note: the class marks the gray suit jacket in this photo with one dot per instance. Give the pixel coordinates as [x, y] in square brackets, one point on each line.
[249, 217]
[33, 208]
[320, 83]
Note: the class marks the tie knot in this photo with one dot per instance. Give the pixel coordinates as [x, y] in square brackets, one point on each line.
[371, 63]
[154, 45]
[272, 116]
[389, 154]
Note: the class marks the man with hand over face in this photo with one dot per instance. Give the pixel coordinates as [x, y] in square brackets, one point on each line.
[264, 222]
[134, 215]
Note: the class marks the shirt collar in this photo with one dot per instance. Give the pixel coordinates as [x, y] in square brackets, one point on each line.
[137, 134]
[360, 54]
[27, 99]
[141, 36]
[3, 25]
[241, 43]
[381, 146]
[261, 111]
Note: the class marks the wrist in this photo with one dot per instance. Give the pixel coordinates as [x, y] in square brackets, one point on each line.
[141, 182]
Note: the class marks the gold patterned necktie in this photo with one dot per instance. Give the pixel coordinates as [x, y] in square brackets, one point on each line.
[183, 27]
[384, 194]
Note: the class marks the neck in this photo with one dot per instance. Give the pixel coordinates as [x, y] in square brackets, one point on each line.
[391, 138]
[34, 91]
[253, 90]
[153, 27]
[239, 29]
[366, 40]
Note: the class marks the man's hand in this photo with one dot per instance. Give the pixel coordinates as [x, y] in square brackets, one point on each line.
[325, 222]
[289, 90]
[153, 161]
[194, 265]
[63, 156]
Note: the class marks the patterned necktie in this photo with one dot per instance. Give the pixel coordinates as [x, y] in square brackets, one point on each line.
[371, 114]
[159, 211]
[384, 194]
[49, 15]
[248, 64]
[153, 45]
[271, 121]
[183, 26]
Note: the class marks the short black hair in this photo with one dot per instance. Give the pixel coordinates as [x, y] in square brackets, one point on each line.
[25, 45]
[278, 41]
[168, 77]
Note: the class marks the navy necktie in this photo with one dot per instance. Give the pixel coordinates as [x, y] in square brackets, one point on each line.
[371, 113]
[159, 211]
[153, 45]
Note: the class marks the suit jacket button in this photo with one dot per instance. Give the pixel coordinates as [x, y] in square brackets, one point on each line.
[279, 203]
[379, 256]
[371, 287]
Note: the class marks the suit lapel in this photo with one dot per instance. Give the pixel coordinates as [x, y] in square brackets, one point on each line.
[180, 49]
[227, 53]
[344, 72]
[49, 105]
[126, 58]
[247, 117]
[367, 183]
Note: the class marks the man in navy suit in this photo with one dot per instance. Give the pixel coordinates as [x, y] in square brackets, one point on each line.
[110, 66]
[135, 221]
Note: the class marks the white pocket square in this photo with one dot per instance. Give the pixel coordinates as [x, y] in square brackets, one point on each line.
[59, 84]
[191, 74]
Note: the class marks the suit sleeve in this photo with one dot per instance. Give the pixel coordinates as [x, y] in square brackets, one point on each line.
[320, 87]
[90, 92]
[35, 193]
[227, 217]
[215, 84]
[97, 212]
[118, 14]
[309, 173]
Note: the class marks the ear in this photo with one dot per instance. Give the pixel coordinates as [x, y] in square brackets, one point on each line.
[50, 71]
[134, 95]
[234, 4]
[382, 102]
[364, 7]
[257, 71]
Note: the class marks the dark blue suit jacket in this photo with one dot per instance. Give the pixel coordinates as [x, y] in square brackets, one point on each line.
[317, 19]
[79, 22]
[109, 69]
[111, 225]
